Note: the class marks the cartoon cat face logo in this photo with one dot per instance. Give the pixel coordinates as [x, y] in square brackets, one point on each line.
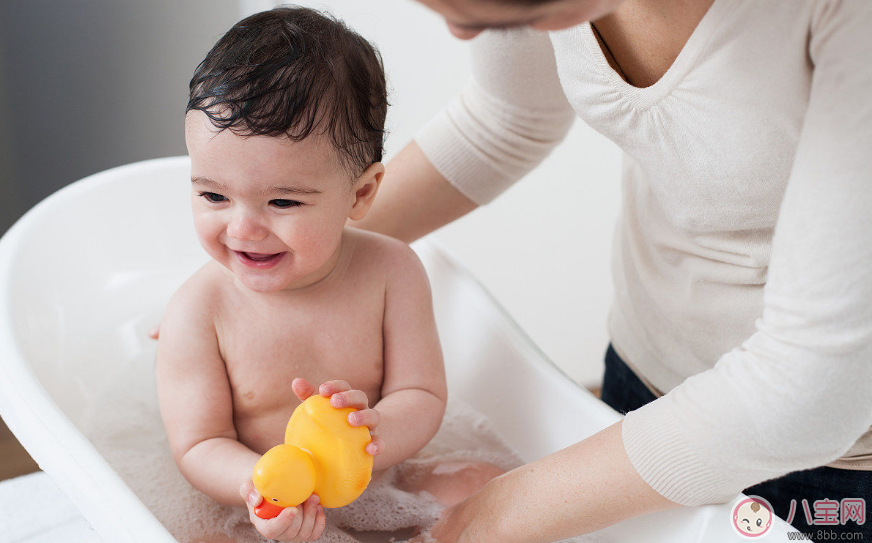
[752, 517]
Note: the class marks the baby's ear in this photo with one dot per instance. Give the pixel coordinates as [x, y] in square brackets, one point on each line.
[365, 189]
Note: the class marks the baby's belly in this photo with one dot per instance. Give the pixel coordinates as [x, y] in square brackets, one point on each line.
[260, 419]
[262, 431]
[262, 393]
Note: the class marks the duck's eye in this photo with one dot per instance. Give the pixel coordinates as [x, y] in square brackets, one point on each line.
[275, 499]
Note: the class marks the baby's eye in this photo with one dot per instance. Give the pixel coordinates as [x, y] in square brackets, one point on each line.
[213, 197]
[284, 204]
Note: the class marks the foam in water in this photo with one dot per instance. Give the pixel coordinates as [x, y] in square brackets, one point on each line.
[126, 428]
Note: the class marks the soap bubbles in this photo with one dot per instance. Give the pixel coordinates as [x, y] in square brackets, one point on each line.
[131, 437]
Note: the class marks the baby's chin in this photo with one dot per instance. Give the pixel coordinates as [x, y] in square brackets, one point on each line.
[262, 285]
[262, 282]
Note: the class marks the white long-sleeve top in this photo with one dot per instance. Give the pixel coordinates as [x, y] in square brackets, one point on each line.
[742, 259]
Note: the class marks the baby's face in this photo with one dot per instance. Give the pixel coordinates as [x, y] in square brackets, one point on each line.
[269, 209]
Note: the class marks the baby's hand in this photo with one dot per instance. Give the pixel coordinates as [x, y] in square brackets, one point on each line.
[302, 523]
[342, 395]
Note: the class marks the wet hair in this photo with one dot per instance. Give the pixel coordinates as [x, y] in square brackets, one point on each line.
[295, 72]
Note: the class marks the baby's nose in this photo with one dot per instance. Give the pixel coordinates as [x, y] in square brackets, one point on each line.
[246, 227]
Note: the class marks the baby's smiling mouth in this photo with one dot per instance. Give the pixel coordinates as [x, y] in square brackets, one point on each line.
[260, 257]
[259, 260]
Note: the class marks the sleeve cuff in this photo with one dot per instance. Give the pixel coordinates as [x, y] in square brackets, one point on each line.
[456, 159]
[662, 458]
[482, 145]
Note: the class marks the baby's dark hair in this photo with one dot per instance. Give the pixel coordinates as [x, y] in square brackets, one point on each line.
[294, 71]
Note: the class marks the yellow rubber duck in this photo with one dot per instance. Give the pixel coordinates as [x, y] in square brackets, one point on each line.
[322, 453]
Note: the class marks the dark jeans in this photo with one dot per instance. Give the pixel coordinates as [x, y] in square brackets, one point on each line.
[624, 392]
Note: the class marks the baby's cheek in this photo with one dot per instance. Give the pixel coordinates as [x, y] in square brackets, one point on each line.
[209, 233]
[315, 243]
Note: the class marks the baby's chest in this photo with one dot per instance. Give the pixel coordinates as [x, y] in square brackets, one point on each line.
[265, 352]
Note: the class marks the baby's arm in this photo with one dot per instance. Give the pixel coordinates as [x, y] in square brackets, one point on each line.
[195, 399]
[413, 389]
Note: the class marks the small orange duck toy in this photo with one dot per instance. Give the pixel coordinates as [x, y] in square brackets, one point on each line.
[322, 453]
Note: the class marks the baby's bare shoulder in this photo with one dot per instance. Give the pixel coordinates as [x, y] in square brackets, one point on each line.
[385, 256]
[197, 301]
[396, 267]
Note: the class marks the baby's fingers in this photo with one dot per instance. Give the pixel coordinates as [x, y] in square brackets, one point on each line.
[320, 522]
[302, 388]
[365, 417]
[310, 511]
[376, 446]
[284, 527]
[269, 528]
[249, 494]
[332, 387]
[350, 398]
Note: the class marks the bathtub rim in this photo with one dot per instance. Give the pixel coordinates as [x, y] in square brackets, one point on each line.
[34, 417]
[41, 425]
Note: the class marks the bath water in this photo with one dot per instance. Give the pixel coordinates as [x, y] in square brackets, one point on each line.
[126, 427]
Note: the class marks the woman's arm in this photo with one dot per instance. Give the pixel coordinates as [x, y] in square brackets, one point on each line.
[794, 396]
[414, 199]
[506, 121]
[582, 488]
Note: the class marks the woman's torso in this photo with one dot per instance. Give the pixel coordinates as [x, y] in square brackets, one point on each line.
[707, 101]
[708, 148]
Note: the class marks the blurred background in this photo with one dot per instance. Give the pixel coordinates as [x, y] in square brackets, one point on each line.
[87, 85]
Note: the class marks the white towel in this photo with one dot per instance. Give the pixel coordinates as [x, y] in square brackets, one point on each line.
[34, 510]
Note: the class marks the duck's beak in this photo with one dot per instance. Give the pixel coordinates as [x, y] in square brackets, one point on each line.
[267, 509]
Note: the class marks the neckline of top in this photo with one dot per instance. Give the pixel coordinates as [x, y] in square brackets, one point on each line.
[645, 97]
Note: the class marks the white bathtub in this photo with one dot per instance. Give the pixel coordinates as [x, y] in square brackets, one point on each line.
[85, 274]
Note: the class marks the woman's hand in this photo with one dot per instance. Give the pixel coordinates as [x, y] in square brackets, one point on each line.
[302, 523]
[474, 520]
[577, 490]
[342, 395]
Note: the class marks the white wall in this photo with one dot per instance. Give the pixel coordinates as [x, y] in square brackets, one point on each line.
[543, 247]
[86, 85]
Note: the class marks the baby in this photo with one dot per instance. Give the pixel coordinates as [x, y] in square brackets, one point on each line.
[284, 127]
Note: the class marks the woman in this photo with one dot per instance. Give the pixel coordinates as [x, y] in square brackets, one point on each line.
[742, 325]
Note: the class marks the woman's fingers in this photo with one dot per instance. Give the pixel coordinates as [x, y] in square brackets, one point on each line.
[302, 388]
[376, 446]
[365, 417]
